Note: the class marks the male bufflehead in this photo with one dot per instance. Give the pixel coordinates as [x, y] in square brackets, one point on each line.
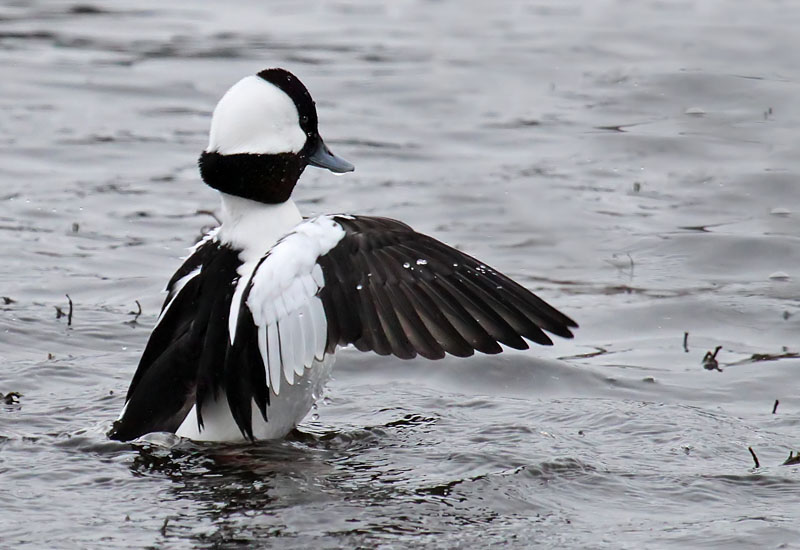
[254, 315]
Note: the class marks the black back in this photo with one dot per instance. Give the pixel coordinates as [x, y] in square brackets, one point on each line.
[181, 364]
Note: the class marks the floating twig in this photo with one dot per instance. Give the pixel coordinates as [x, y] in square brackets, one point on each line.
[600, 351]
[164, 527]
[760, 357]
[775, 406]
[686, 342]
[710, 360]
[135, 314]
[69, 314]
[755, 458]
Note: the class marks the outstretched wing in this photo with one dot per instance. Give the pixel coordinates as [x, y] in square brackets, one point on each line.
[378, 284]
[394, 291]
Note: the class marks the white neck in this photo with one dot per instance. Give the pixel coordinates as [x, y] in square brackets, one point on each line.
[254, 227]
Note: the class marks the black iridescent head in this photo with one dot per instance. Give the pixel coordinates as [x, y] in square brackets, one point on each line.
[263, 135]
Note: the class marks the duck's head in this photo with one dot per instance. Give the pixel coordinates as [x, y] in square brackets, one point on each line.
[263, 135]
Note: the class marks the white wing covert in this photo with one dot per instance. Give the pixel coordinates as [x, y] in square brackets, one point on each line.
[282, 298]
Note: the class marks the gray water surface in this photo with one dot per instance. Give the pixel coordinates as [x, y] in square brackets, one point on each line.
[634, 163]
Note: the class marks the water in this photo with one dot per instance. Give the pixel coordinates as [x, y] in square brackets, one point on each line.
[634, 163]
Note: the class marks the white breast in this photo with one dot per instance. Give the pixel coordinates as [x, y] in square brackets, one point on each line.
[253, 228]
[285, 308]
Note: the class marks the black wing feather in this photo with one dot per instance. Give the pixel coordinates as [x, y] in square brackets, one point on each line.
[392, 290]
[245, 375]
[442, 331]
[181, 363]
[175, 319]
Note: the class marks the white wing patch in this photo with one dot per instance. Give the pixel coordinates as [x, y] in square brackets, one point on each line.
[292, 329]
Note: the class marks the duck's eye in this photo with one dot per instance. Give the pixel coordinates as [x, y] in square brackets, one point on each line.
[303, 119]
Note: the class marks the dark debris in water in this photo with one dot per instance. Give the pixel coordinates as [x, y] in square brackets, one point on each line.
[710, 361]
[793, 459]
[761, 357]
[133, 322]
[11, 398]
[7, 301]
[775, 406]
[60, 312]
[758, 357]
[621, 128]
[517, 123]
[85, 9]
[598, 351]
[755, 458]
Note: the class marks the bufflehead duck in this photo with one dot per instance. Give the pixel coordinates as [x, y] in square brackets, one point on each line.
[253, 317]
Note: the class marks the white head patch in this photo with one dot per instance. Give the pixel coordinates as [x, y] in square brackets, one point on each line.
[255, 116]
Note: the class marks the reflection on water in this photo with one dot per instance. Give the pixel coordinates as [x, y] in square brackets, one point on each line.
[633, 163]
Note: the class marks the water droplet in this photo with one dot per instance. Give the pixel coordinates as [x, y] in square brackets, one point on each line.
[422, 262]
[455, 265]
[359, 286]
[406, 265]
